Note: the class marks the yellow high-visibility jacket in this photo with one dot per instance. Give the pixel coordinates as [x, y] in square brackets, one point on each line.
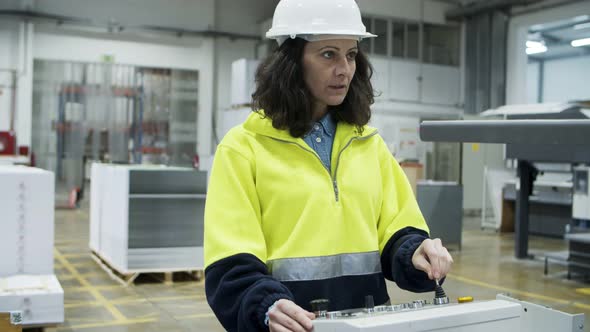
[275, 213]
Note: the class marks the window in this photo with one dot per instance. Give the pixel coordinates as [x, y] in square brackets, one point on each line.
[434, 43]
[380, 42]
[365, 44]
[441, 44]
[398, 38]
[413, 40]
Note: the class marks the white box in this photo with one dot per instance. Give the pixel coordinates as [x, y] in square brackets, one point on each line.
[243, 72]
[27, 223]
[147, 218]
[40, 298]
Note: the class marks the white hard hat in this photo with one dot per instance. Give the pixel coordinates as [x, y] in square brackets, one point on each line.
[317, 19]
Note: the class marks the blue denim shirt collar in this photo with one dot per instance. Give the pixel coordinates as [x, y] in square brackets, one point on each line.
[328, 124]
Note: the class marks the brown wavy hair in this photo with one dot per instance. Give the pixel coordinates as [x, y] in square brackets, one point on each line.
[283, 95]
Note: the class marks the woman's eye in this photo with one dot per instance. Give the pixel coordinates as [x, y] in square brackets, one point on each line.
[328, 54]
[352, 55]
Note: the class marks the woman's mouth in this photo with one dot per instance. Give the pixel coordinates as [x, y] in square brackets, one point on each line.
[339, 87]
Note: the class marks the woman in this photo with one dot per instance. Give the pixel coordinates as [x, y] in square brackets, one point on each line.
[305, 201]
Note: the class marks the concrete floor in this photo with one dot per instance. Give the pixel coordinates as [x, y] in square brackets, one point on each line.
[483, 268]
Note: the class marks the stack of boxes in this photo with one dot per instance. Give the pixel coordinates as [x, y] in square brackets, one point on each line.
[147, 218]
[27, 280]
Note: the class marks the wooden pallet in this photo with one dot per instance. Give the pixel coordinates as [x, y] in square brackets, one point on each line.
[8, 323]
[167, 276]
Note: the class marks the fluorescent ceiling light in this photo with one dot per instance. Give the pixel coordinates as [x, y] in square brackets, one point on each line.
[536, 50]
[582, 26]
[581, 42]
[534, 44]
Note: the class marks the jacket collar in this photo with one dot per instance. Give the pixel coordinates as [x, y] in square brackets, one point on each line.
[259, 124]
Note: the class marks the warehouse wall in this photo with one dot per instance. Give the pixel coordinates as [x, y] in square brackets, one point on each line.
[8, 63]
[211, 57]
[434, 11]
[194, 54]
[532, 82]
[566, 79]
[15, 56]
[516, 79]
[475, 158]
[196, 15]
[563, 80]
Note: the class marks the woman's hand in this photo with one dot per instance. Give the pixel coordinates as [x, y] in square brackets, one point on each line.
[288, 316]
[432, 258]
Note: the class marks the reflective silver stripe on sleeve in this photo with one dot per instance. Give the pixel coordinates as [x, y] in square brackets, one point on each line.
[325, 267]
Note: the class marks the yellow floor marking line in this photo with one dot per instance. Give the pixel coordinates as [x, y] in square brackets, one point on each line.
[87, 289]
[518, 292]
[123, 301]
[76, 255]
[85, 264]
[83, 320]
[114, 323]
[585, 291]
[582, 306]
[506, 289]
[174, 298]
[98, 303]
[97, 295]
[81, 264]
[83, 275]
[194, 316]
[78, 289]
[151, 315]
[78, 304]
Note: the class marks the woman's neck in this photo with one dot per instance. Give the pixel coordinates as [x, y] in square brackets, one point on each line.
[319, 110]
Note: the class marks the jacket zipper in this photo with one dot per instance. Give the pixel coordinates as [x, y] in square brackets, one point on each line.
[338, 159]
[333, 179]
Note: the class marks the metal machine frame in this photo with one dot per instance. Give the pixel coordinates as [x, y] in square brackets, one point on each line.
[503, 313]
[526, 141]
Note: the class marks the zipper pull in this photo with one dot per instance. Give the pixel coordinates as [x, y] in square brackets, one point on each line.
[335, 184]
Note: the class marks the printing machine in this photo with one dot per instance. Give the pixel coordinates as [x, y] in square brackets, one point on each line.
[502, 314]
[559, 133]
[581, 196]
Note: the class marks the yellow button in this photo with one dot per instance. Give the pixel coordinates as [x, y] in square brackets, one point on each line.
[465, 299]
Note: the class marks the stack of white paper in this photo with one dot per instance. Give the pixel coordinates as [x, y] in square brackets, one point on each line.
[40, 298]
[27, 222]
[147, 218]
[27, 282]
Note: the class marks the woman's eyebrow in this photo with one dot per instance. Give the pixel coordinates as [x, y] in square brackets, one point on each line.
[337, 48]
[334, 47]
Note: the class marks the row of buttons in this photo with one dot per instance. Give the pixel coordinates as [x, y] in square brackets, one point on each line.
[403, 306]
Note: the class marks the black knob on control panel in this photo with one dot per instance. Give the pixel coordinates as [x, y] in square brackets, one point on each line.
[369, 303]
[320, 307]
[439, 296]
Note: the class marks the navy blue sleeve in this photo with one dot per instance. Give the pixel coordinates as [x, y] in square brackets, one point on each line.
[396, 261]
[240, 290]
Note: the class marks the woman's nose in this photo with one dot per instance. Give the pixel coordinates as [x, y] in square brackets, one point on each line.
[343, 66]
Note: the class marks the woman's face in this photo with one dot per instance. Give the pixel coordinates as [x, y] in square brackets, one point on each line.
[328, 68]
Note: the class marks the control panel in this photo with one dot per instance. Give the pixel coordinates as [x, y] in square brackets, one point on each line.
[484, 316]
